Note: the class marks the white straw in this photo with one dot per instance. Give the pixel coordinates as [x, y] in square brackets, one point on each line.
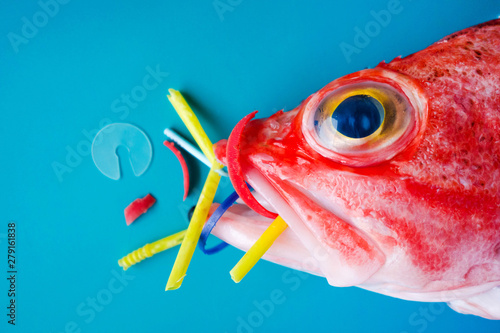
[191, 149]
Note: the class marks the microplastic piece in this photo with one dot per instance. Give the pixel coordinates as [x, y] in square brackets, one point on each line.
[185, 171]
[138, 207]
[206, 196]
[151, 249]
[212, 221]
[258, 249]
[193, 231]
[190, 149]
[193, 125]
[117, 135]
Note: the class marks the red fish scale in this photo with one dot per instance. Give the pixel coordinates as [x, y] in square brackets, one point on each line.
[442, 202]
[461, 146]
[456, 168]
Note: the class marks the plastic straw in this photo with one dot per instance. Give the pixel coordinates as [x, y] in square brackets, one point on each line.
[194, 231]
[191, 149]
[258, 249]
[192, 123]
[151, 249]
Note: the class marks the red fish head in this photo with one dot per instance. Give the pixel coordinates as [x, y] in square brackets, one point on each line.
[388, 178]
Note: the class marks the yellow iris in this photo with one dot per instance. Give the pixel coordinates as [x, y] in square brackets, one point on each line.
[332, 104]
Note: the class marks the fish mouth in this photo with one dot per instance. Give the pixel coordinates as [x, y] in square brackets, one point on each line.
[241, 227]
[298, 247]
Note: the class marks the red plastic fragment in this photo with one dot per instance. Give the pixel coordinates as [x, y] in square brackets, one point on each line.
[138, 207]
[185, 171]
[235, 172]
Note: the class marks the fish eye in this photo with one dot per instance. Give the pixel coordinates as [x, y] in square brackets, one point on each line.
[364, 122]
[358, 116]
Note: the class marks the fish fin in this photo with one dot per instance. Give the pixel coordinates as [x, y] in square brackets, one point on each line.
[486, 305]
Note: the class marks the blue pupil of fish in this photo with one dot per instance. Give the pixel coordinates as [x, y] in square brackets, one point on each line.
[358, 116]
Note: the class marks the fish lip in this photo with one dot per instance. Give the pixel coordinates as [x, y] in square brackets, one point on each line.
[335, 210]
[329, 258]
[332, 208]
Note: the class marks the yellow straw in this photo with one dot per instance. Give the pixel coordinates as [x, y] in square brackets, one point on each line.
[151, 249]
[258, 249]
[207, 194]
[189, 118]
[193, 231]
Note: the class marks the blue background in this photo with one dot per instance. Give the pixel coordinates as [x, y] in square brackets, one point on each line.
[59, 87]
